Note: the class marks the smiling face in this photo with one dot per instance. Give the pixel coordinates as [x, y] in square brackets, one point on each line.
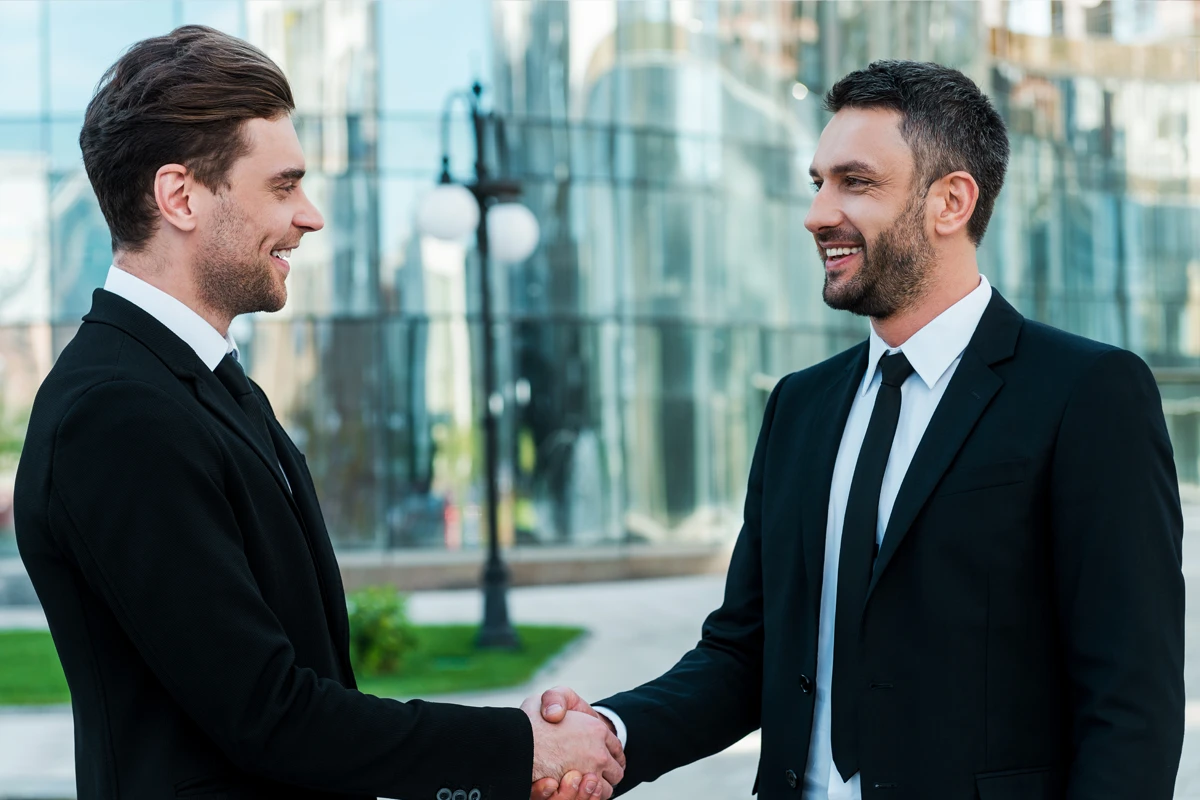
[868, 217]
[248, 229]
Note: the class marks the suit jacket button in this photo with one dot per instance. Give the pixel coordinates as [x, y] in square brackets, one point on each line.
[806, 684]
[792, 780]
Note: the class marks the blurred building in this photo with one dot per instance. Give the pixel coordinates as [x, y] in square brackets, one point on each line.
[664, 147]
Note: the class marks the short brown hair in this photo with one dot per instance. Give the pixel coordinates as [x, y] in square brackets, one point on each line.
[175, 99]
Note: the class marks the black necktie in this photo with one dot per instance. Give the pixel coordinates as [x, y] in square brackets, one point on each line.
[857, 560]
[231, 374]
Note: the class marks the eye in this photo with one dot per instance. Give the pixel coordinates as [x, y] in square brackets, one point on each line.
[816, 185]
[855, 183]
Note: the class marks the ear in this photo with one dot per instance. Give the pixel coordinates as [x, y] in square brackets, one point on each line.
[951, 202]
[174, 194]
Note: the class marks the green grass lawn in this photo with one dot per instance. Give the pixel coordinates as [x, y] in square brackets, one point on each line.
[445, 661]
[30, 674]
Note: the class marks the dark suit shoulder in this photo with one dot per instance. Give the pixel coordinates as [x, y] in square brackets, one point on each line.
[1060, 342]
[1066, 358]
[105, 374]
[801, 383]
[132, 411]
[98, 354]
[91, 357]
[99, 350]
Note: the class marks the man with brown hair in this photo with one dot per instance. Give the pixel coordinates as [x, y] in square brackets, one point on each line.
[169, 525]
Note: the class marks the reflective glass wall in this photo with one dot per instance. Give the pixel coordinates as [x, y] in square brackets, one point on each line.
[663, 146]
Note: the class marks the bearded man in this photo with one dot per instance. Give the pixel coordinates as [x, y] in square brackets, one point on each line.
[959, 575]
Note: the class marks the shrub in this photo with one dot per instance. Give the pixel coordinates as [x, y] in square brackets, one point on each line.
[381, 635]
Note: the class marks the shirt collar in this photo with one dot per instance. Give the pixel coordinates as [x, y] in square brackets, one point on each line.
[933, 349]
[193, 329]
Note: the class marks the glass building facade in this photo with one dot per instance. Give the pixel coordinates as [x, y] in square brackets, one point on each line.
[664, 147]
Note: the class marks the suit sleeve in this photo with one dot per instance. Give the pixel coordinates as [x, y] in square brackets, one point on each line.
[1117, 543]
[713, 696]
[137, 499]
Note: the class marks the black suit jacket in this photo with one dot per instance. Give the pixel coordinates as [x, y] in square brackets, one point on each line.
[196, 603]
[1023, 634]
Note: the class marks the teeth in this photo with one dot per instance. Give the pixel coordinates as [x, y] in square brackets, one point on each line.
[284, 254]
[838, 252]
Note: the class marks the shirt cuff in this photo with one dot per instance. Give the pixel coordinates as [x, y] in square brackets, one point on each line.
[622, 733]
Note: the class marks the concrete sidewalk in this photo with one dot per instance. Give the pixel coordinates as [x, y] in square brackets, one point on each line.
[637, 630]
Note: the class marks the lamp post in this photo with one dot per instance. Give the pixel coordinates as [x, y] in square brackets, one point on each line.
[508, 232]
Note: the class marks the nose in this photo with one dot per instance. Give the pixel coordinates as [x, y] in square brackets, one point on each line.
[308, 218]
[823, 213]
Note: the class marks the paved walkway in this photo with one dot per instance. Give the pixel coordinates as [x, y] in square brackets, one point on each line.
[638, 630]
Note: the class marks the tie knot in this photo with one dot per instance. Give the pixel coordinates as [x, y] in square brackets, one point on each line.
[230, 373]
[895, 368]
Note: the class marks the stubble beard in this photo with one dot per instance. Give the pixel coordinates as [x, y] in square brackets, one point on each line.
[232, 276]
[894, 272]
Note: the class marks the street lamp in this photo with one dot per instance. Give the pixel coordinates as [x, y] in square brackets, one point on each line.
[509, 232]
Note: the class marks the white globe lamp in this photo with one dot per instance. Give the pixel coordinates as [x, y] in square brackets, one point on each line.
[448, 212]
[513, 232]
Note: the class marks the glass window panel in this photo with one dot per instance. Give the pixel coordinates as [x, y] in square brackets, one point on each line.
[624, 154]
[801, 270]
[86, 38]
[594, 230]
[596, 516]
[24, 251]
[224, 15]
[65, 154]
[80, 245]
[399, 242]
[410, 146]
[323, 378]
[415, 511]
[21, 53]
[21, 139]
[351, 235]
[430, 48]
[326, 50]
[591, 151]
[536, 148]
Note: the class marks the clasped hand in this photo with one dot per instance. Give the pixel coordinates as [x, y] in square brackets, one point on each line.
[576, 755]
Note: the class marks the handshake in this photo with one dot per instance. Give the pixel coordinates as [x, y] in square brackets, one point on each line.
[576, 753]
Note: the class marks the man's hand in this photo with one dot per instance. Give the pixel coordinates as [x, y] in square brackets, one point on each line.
[558, 701]
[573, 786]
[579, 742]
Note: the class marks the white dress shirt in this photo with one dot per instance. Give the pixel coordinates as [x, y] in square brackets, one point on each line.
[182, 321]
[204, 339]
[934, 352]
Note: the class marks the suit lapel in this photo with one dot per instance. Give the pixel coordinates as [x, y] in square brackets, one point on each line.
[216, 398]
[826, 422]
[319, 544]
[177, 356]
[970, 391]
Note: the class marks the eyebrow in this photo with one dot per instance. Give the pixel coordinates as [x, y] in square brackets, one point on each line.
[291, 174]
[846, 167]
